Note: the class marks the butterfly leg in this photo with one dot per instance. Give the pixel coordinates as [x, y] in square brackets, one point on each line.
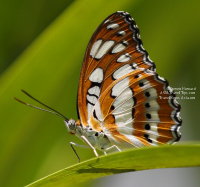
[72, 146]
[111, 148]
[86, 141]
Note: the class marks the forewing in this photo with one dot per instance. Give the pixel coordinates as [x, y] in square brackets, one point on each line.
[115, 42]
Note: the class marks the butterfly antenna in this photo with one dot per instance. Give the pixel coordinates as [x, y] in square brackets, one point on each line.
[54, 111]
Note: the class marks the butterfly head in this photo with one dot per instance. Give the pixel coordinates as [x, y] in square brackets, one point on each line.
[71, 126]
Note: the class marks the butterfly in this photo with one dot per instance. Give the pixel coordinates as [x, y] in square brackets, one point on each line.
[121, 102]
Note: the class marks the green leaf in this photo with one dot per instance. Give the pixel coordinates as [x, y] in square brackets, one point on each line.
[122, 162]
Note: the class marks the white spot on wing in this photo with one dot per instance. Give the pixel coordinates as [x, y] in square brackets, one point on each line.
[91, 99]
[136, 142]
[95, 48]
[135, 65]
[121, 119]
[113, 26]
[153, 128]
[152, 92]
[124, 58]
[153, 104]
[121, 33]
[122, 71]
[173, 131]
[122, 92]
[97, 109]
[96, 75]
[107, 21]
[121, 85]
[126, 129]
[119, 47]
[94, 90]
[153, 132]
[153, 137]
[154, 116]
[146, 83]
[104, 48]
[90, 107]
[161, 78]
[123, 102]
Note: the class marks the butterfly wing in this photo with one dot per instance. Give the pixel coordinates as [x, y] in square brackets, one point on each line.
[99, 61]
[116, 77]
[140, 109]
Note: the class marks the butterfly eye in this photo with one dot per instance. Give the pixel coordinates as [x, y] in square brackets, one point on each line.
[71, 125]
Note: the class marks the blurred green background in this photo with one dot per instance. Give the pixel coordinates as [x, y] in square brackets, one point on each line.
[42, 44]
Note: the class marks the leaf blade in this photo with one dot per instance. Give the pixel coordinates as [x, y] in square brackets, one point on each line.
[122, 162]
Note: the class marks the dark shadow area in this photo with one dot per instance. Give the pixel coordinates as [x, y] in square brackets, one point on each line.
[105, 170]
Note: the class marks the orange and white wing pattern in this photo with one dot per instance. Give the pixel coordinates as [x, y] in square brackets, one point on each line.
[119, 92]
